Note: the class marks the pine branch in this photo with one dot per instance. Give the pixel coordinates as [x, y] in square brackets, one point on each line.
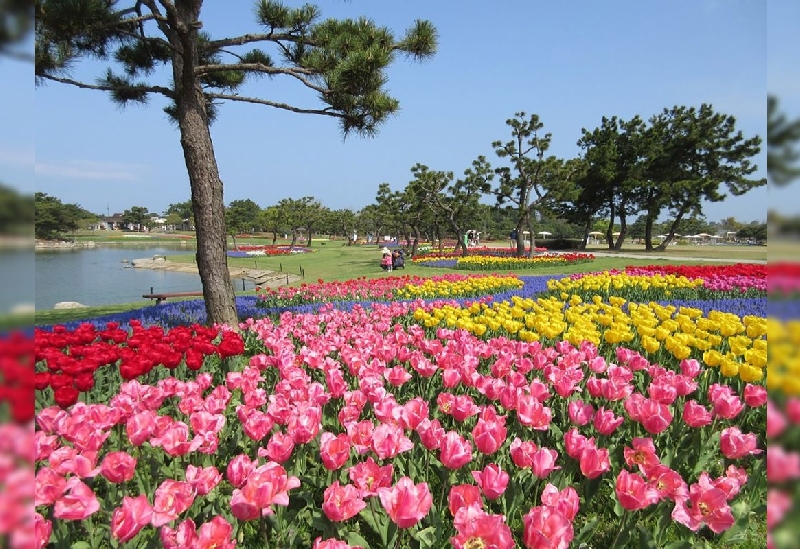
[266, 69]
[149, 89]
[249, 38]
[283, 106]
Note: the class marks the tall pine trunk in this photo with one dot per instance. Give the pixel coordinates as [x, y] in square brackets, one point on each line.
[206, 185]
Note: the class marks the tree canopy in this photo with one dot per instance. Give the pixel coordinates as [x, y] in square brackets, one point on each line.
[55, 219]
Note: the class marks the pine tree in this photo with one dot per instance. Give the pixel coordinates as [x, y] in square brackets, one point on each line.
[343, 61]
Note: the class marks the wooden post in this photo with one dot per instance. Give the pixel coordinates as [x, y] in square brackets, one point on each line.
[243, 284]
[151, 289]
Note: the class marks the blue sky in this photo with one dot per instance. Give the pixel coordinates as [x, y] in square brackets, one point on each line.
[570, 62]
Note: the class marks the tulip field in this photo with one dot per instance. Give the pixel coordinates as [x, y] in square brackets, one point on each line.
[597, 410]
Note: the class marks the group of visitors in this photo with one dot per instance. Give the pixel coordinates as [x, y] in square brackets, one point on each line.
[392, 259]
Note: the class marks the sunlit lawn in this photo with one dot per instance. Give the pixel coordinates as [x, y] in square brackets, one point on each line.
[334, 261]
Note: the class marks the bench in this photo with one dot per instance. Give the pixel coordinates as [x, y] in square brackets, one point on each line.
[162, 297]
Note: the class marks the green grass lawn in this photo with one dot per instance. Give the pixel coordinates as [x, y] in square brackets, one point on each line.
[332, 261]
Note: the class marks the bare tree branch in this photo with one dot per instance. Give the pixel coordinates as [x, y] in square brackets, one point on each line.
[149, 89]
[266, 69]
[283, 106]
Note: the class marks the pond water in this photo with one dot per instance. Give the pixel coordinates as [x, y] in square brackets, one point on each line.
[104, 276]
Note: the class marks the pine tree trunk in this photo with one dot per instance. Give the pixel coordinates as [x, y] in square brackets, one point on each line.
[209, 208]
[206, 185]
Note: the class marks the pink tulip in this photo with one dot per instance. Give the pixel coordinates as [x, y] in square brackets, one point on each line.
[475, 527]
[493, 481]
[389, 440]
[361, 435]
[77, 503]
[280, 447]
[580, 413]
[606, 422]
[575, 443]
[183, 537]
[543, 462]
[128, 519]
[726, 404]
[755, 395]
[430, 433]
[633, 492]
[489, 432]
[140, 427]
[654, 416]
[565, 501]
[215, 534]
[304, 423]
[532, 413]
[413, 412]
[735, 444]
[669, 483]
[333, 543]
[238, 470]
[406, 503]
[642, 454]
[42, 529]
[522, 452]
[690, 367]
[48, 487]
[118, 466]
[368, 476]
[342, 502]
[706, 505]
[463, 495]
[695, 414]
[203, 479]
[334, 450]
[546, 528]
[171, 499]
[594, 462]
[455, 451]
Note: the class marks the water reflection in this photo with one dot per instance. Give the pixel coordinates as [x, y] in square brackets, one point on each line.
[103, 275]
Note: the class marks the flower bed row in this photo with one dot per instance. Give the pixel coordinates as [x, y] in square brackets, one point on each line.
[501, 262]
[268, 250]
[388, 288]
[643, 286]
